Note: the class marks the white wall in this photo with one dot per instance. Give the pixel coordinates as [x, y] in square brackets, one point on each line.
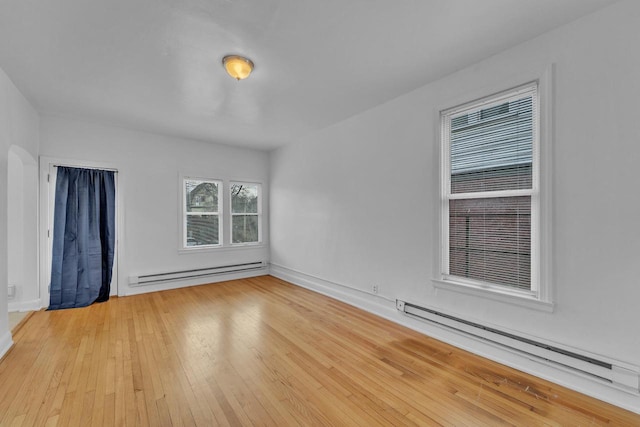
[22, 233]
[18, 128]
[357, 204]
[15, 215]
[148, 167]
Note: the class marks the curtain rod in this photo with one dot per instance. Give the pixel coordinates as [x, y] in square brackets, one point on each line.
[87, 167]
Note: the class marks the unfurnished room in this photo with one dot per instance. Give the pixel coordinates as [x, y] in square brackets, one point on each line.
[319, 213]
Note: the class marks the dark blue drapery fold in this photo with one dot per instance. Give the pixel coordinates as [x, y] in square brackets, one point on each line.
[83, 237]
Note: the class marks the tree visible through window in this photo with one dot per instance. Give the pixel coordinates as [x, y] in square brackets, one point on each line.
[245, 213]
[489, 190]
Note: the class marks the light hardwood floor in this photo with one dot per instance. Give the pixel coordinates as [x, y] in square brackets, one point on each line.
[262, 352]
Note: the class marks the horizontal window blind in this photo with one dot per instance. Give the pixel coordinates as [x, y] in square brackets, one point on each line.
[490, 240]
[490, 146]
[202, 230]
[493, 151]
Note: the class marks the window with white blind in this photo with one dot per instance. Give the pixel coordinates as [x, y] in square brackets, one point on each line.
[201, 213]
[490, 193]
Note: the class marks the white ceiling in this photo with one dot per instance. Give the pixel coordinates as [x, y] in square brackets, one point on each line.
[155, 65]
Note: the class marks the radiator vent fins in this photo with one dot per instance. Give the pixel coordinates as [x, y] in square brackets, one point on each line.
[198, 273]
[618, 374]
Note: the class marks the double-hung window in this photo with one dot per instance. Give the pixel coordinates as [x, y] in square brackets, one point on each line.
[246, 214]
[490, 193]
[202, 209]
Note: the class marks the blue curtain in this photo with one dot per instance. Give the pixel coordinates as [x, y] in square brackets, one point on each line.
[83, 237]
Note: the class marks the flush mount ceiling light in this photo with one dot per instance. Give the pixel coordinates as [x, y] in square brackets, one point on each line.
[237, 66]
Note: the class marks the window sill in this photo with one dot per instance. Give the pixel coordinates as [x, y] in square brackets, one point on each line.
[183, 251]
[245, 245]
[505, 296]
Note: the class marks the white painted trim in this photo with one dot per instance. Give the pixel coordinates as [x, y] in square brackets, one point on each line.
[327, 287]
[222, 248]
[565, 377]
[490, 194]
[491, 100]
[544, 237]
[32, 305]
[496, 294]
[541, 191]
[6, 342]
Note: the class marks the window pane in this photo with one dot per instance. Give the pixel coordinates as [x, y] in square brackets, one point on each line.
[245, 228]
[202, 230]
[490, 240]
[201, 196]
[491, 148]
[244, 198]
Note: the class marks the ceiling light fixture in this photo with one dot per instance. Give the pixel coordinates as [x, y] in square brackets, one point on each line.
[237, 66]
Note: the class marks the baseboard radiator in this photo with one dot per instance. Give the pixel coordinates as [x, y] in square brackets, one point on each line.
[618, 374]
[197, 273]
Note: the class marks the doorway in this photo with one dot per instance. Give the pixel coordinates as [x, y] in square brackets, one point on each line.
[48, 170]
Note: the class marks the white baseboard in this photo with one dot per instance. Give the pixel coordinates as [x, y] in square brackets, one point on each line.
[6, 342]
[369, 302]
[32, 305]
[176, 284]
[386, 309]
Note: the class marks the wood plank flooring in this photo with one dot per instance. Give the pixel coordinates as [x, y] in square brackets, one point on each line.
[261, 351]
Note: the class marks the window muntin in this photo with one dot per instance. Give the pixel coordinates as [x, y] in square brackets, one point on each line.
[202, 207]
[245, 213]
[490, 192]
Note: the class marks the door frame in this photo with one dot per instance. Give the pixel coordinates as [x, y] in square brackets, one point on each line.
[48, 171]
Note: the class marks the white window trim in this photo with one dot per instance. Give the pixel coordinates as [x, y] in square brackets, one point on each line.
[259, 214]
[183, 217]
[541, 296]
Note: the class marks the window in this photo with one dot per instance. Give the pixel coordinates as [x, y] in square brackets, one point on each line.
[245, 213]
[490, 193]
[202, 207]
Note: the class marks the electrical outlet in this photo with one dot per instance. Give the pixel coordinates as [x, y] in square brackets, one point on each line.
[11, 292]
[375, 289]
